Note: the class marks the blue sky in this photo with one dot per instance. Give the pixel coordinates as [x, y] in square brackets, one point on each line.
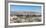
[25, 8]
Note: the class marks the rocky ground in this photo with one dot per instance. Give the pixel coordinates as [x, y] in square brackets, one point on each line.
[22, 19]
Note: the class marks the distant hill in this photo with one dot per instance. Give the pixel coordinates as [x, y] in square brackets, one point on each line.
[24, 13]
